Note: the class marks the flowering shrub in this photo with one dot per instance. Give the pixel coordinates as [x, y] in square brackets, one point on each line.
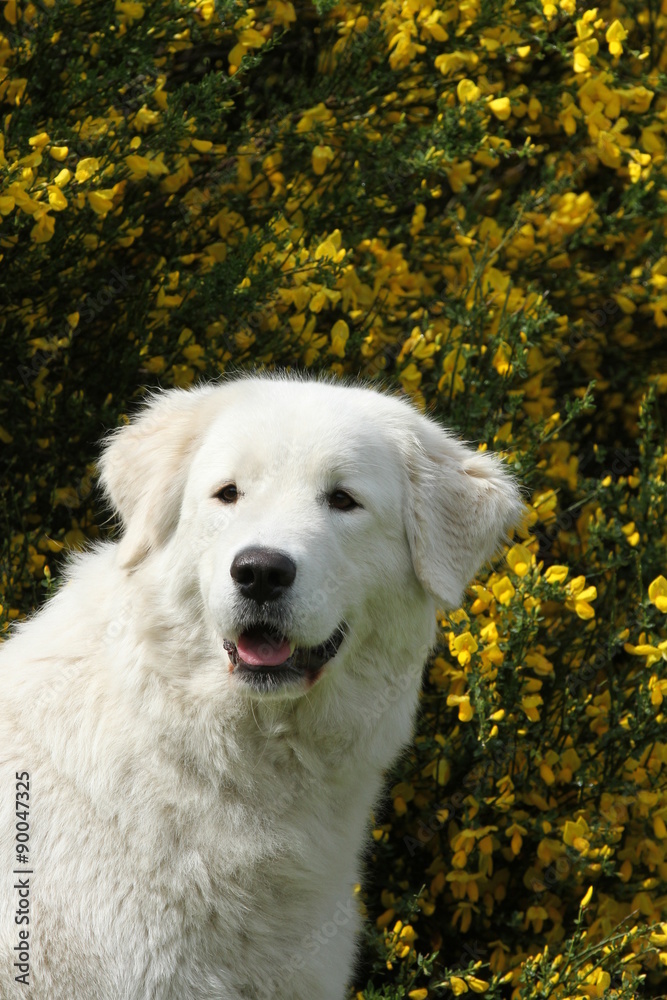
[466, 200]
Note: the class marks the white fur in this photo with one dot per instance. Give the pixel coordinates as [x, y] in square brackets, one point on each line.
[190, 838]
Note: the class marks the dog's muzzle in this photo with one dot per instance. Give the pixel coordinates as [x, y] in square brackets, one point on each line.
[266, 660]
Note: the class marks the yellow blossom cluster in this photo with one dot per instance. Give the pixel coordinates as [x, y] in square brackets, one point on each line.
[465, 201]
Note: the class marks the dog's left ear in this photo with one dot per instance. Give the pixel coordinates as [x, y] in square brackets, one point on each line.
[144, 467]
[461, 505]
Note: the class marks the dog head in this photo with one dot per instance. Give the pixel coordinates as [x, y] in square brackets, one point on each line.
[310, 512]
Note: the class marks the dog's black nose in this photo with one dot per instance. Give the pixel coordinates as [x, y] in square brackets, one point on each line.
[263, 574]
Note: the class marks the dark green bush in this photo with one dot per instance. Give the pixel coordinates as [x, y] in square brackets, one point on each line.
[466, 200]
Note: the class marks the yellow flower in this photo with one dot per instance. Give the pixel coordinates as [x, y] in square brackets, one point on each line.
[657, 593]
[248, 39]
[501, 108]
[637, 99]
[57, 199]
[503, 590]
[418, 994]
[546, 774]
[615, 35]
[130, 9]
[406, 938]
[63, 177]
[467, 91]
[282, 12]
[86, 168]
[501, 359]
[320, 113]
[466, 710]
[410, 378]
[143, 166]
[660, 938]
[322, 298]
[43, 230]
[431, 25]
[545, 504]
[569, 114]
[579, 598]
[597, 983]
[330, 248]
[536, 915]
[385, 918]
[574, 834]
[182, 376]
[519, 559]
[417, 224]
[339, 336]
[443, 771]
[10, 12]
[144, 118]
[321, 157]
[462, 646]
[529, 704]
[630, 533]
[457, 985]
[100, 202]
[404, 47]
[537, 662]
[452, 62]
[516, 832]
[155, 365]
[459, 174]
[652, 653]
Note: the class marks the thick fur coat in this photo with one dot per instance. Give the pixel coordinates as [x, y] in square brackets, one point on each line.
[198, 807]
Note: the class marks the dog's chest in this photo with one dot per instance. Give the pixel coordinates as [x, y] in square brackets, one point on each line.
[255, 884]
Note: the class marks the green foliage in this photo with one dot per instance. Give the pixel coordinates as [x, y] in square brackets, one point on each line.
[465, 201]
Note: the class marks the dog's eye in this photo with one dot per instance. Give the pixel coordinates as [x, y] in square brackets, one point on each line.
[340, 500]
[228, 493]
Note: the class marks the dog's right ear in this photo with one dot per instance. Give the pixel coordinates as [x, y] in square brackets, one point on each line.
[462, 504]
[144, 467]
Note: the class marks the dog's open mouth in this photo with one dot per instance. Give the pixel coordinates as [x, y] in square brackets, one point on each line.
[267, 659]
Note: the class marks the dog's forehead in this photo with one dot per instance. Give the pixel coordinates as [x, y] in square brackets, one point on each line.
[292, 424]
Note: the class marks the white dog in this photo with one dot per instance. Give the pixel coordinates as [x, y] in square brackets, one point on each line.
[195, 727]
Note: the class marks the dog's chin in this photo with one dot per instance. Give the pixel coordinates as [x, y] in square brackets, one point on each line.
[297, 671]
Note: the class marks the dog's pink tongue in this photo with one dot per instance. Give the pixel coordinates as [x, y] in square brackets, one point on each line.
[258, 649]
